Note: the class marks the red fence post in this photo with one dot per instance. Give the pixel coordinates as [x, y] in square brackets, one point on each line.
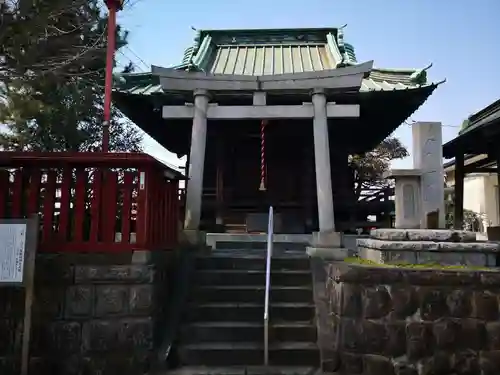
[109, 205]
[95, 209]
[64, 209]
[127, 191]
[79, 212]
[49, 205]
[143, 201]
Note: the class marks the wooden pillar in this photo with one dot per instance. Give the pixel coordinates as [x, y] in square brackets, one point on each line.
[186, 172]
[196, 161]
[322, 163]
[219, 182]
[458, 208]
[497, 158]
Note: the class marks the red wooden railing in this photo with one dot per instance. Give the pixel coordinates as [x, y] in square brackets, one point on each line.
[92, 202]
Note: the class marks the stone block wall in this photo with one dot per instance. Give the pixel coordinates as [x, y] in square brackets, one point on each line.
[401, 321]
[91, 315]
[422, 246]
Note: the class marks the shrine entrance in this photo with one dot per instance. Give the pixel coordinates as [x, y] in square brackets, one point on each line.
[256, 169]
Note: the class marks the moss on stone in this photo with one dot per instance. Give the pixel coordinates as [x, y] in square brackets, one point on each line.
[366, 262]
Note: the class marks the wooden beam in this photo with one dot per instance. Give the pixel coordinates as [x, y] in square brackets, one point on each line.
[495, 155]
[480, 170]
[458, 209]
[259, 112]
[478, 164]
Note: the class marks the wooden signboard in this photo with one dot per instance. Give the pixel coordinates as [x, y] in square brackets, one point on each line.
[18, 243]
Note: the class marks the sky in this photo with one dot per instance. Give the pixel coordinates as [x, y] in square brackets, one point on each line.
[461, 38]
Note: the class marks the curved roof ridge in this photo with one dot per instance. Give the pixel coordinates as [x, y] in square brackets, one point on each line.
[485, 111]
[484, 116]
[413, 76]
[261, 30]
[402, 70]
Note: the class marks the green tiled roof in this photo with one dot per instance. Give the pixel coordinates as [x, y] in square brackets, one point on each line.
[477, 134]
[138, 83]
[271, 59]
[486, 116]
[274, 51]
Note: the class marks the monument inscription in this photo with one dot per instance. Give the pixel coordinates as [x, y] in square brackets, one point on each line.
[18, 243]
[12, 253]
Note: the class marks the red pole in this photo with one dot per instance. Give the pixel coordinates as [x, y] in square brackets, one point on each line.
[108, 82]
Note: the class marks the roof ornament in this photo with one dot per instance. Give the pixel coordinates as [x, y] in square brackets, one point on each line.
[346, 58]
[191, 51]
[119, 79]
[464, 126]
[340, 39]
[419, 77]
[343, 27]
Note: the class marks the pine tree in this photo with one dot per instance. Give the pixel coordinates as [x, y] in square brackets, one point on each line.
[368, 169]
[53, 78]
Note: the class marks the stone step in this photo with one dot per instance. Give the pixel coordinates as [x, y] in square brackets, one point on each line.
[277, 252]
[250, 312]
[253, 277]
[245, 370]
[228, 331]
[251, 262]
[230, 354]
[260, 245]
[250, 293]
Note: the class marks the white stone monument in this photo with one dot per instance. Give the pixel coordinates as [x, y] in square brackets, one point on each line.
[406, 197]
[420, 191]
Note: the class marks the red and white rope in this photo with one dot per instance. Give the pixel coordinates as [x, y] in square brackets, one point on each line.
[262, 155]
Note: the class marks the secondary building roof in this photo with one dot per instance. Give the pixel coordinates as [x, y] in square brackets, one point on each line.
[478, 133]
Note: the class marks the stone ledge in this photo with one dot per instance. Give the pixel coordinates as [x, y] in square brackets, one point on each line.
[448, 258]
[372, 275]
[328, 253]
[329, 239]
[413, 245]
[131, 274]
[434, 235]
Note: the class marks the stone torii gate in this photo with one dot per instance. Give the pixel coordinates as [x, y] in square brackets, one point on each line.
[204, 88]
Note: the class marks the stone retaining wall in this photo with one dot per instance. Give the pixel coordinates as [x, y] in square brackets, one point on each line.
[91, 315]
[402, 321]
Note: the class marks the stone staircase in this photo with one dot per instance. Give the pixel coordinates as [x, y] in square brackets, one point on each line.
[223, 330]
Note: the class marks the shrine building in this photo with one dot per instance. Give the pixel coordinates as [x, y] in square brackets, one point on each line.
[268, 118]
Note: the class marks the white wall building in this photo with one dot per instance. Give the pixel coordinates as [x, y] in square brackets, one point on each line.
[480, 191]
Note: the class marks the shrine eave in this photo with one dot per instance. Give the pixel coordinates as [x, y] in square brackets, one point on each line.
[387, 109]
[149, 83]
[331, 80]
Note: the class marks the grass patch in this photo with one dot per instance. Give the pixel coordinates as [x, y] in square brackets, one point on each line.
[366, 262]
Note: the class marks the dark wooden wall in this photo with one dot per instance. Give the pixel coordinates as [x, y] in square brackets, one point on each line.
[232, 173]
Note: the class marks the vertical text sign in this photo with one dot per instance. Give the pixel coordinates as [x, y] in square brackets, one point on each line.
[12, 253]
